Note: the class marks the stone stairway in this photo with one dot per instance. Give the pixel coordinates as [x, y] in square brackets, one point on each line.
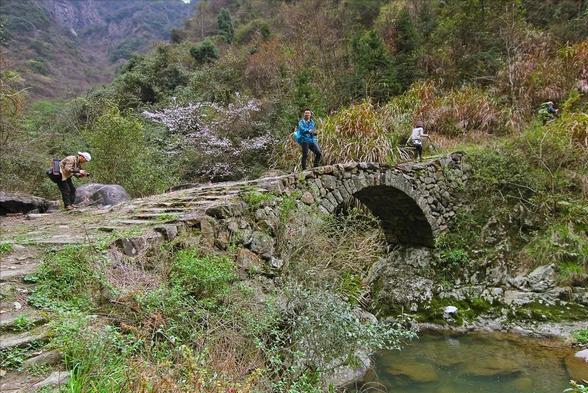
[27, 362]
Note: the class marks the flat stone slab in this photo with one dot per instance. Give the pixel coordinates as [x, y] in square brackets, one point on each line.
[7, 320]
[49, 358]
[55, 379]
[18, 340]
[14, 271]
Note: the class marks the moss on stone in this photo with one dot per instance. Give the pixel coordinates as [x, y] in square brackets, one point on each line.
[550, 313]
[467, 310]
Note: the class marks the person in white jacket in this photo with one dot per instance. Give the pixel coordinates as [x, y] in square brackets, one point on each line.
[416, 138]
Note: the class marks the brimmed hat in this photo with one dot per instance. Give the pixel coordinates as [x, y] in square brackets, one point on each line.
[86, 155]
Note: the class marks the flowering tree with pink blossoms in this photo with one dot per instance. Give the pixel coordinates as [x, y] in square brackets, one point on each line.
[220, 142]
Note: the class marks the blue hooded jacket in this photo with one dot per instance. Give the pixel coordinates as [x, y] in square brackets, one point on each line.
[305, 132]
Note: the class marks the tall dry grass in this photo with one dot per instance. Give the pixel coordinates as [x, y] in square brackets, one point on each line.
[356, 133]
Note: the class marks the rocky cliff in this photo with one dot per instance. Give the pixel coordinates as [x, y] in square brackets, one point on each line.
[63, 47]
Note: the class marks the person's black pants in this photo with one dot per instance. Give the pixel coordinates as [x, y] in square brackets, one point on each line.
[418, 150]
[68, 191]
[312, 146]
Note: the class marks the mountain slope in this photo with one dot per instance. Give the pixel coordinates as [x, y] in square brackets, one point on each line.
[63, 47]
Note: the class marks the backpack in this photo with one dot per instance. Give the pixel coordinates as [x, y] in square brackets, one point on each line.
[297, 136]
[55, 169]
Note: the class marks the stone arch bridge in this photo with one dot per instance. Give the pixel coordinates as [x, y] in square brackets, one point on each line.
[413, 201]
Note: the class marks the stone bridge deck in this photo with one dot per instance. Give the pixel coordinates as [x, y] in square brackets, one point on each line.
[409, 198]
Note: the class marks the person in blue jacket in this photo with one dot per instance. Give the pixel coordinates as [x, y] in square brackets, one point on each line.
[305, 136]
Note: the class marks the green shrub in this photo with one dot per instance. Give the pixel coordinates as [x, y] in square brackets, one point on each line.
[122, 155]
[321, 330]
[205, 52]
[225, 25]
[454, 258]
[452, 262]
[5, 248]
[23, 323]
[581, 336]
[563, 243]
[95, 355]
[255, 199]
[203, 277]
[12, 358]
[68, 279]
[39, 66]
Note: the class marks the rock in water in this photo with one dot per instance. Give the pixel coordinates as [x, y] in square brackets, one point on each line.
[101, 194]
[577, 365]
[415, 371]
[22, 203]
[491, 367]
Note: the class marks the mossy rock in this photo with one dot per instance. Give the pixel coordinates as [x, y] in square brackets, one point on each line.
[550, 313]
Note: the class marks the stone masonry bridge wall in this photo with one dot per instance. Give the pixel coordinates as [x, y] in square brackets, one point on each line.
[414, 201]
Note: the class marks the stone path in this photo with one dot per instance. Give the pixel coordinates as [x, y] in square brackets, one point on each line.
[24, 331]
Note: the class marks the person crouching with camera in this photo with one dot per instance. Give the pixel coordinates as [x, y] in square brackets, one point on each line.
[305, 135]
[62, 176]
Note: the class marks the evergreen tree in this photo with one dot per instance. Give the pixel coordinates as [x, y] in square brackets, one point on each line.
[225, 25]
[375, 75]
[406, 49]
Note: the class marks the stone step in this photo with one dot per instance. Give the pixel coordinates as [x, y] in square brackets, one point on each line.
[57, 378]
[23, 382]
[48, 357]
[160, 210]
[22, 339]
[13, 271]
[14, 304]
[156, 216]
[10, 320]
[137, 222]
[57, 240]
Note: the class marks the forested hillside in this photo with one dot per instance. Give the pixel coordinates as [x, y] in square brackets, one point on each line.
[62, 48]
[223, 96]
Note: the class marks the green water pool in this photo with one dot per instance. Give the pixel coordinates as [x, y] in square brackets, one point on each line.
[473, 363]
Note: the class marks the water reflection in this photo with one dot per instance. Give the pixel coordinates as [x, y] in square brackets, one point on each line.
[471, 364]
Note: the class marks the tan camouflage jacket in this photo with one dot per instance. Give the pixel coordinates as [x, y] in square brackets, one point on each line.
[69, 166]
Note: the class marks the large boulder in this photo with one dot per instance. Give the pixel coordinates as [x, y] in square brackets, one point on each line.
[22, 203]
[101, 194]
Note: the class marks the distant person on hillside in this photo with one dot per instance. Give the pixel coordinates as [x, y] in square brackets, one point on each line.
[62, 173]
[416, 139]
[305, 136]
[548, 112]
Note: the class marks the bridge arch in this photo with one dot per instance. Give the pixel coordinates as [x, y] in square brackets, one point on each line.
[415, 202]
[405, 217]
[401, 218]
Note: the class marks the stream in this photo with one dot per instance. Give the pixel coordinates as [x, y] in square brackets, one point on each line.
[473, 363]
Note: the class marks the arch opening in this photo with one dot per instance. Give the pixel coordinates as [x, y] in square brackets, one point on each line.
[402, 219]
